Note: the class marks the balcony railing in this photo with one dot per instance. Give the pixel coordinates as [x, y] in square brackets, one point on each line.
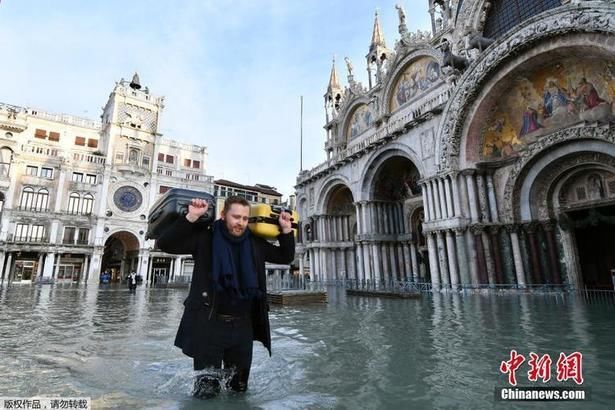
[27, 239]
[75, 242]
[32, 208]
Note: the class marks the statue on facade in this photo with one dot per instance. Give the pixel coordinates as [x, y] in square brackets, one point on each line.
[476, 40]
[348, 66]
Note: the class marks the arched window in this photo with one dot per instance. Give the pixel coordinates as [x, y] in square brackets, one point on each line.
[6, 156]
[73, 203]
[42, 200]
[505, 14]
[87, 204]
[27, 198]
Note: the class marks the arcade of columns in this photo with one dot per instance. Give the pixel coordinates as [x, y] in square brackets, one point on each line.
[467, 245]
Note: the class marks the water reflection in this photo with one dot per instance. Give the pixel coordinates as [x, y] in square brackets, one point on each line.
[441, 351]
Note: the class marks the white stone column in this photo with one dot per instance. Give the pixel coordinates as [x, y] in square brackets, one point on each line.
[436, 199]
[472, 199]
[85, 270]
[456, 194]
[449, 197]
[432, 201]
[493, 205]
[433, 261]
[365, 227]
[60, 190]
[462, 257]
[472, 257]
[407, 262]
[404, 273]
[426, 202]
[393, 262]
[39, 267]
[386, 213]
[442, 197]
[95, 261]
[518, 259]
[489, 262]
[377, 273]
[48, 269]
[482, 198]
[442, 259]
[343, 267]
[2, 260]
[358, 211]
[312, 269]
[386, 269]
[452, 260]
[367, 272]
[415, 265]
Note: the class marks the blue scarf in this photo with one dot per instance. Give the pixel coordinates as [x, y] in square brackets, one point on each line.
[238, 282]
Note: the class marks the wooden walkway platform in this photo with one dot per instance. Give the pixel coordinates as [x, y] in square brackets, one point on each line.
[383, 294]
[296, 297]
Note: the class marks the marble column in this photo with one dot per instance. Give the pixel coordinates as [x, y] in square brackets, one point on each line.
[536, 270]
[436, 199]
[442, 196]
[494, 232]
[517, 258]
[489, 260]
[6, 269]
[343, 266]
[472, 257]
[386, 218]
[482, 198]
[416, 274]
[449, 197]
[48, 269]
[477, 231]
[367, 262]
[493, 205]
[377, 273]
[442, 259]
[360, 270]
[433, 260]
[427, 202]
[456, 194]
[463, 195]
[462, 257]
[556, 276]
[359, 213]
[404, 273]
[386, 269]
[392, 255]
[472, 197]
[452, 260]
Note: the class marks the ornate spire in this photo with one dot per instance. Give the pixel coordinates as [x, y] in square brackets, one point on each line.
[377, 36]
[334, 83]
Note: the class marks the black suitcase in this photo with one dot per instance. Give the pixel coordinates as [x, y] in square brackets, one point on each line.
[172, 204]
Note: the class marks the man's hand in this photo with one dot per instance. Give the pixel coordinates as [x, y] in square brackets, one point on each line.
[285, 222]
[196, 209]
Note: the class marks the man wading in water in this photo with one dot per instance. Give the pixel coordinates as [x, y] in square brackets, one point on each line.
[226, 309]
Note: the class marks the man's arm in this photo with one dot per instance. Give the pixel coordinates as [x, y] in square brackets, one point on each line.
[283, 254]
[179, 238]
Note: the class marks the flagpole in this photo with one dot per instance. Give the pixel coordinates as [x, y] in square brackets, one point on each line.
[301, 140]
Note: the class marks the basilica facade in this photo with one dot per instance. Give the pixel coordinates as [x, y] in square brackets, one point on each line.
[480, 153]
[75, 193]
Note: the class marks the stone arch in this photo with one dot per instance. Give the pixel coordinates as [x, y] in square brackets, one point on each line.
[360, 107]
[517, 47]
[328, 188]
[377, 159]
[400, 67]
[544, 170]
[118, 246]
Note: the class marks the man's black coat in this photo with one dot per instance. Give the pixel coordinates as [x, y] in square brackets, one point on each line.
[184, 237]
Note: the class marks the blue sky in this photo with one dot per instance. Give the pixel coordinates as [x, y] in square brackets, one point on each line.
[232, 72]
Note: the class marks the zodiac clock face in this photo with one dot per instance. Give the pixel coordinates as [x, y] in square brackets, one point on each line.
[127, 198]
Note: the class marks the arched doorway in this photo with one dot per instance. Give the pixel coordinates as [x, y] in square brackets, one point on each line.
[121, 255]
[395, 195]
[337, 234]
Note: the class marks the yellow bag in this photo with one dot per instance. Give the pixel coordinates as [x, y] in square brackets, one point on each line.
[263, 220]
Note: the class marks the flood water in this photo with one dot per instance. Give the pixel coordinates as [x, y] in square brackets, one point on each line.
[440, 351]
